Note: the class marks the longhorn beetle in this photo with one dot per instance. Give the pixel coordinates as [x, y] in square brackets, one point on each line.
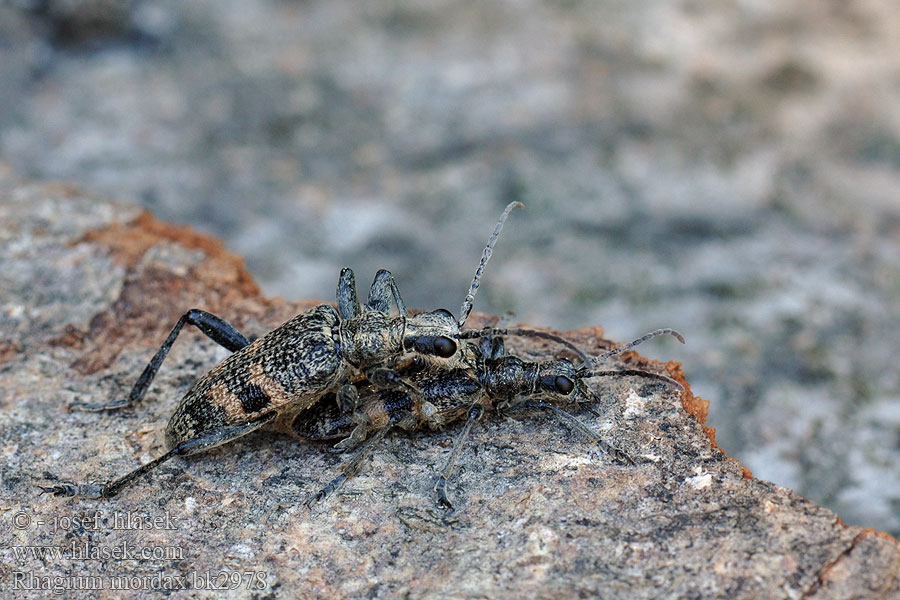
[492, 380]
[292, 367]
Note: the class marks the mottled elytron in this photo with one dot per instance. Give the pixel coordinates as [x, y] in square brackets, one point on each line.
[292, 367]
[492, 379]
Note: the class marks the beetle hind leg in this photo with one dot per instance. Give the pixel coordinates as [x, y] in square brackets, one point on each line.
[96, 491]
[403, 419]
[440, 486]
[215, 328]
[109, 489]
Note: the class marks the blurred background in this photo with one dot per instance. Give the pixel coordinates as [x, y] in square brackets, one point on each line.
[728, 168]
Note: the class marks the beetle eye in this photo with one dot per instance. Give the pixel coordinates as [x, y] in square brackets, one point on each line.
[444, 347]
[564, 385]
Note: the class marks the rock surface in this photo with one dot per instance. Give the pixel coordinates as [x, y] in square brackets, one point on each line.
[729, 169]
[89, 289]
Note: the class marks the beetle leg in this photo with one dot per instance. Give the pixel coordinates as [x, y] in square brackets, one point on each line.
[383, 289]
[497, 347]
[357, 436]
[385, 406]
[216, 328]
[407, 365]
[381, 377]
[403, 419]
[347, 301]
[347, 398]
[573, 421]
[475, 413]
[96, 491]
[185, 448]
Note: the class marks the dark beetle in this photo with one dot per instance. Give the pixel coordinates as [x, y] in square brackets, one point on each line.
[492, 379]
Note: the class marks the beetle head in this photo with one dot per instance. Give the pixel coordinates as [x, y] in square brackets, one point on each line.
[433, 333]
[561, 380]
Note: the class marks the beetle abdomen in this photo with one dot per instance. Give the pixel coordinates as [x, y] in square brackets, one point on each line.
[294, 364]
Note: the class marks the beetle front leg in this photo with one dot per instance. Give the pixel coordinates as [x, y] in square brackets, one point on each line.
[215, 328]
[348, 403]
[382, 290]
[347, 300]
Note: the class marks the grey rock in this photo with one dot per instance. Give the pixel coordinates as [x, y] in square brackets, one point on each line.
[730, 170]
[88, 291]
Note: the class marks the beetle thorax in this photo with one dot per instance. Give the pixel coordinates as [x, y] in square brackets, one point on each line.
[508, 377]
[371, 339]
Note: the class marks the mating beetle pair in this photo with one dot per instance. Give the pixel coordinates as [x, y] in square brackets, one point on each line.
[322, 351]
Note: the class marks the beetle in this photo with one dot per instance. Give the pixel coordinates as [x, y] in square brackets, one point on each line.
[293, 366]
[491, 380]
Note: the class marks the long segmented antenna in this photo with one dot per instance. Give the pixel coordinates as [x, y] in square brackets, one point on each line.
[469, 334]
[637, 372]
[640, 340]
[587, 374]
[485, 256]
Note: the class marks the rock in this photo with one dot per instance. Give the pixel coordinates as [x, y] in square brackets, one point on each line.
[676, 171]
[88, 291]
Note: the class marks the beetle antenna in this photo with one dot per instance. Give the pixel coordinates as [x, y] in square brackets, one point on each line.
[485, 256]
[487, 331]
[636, 342]
[638, 372]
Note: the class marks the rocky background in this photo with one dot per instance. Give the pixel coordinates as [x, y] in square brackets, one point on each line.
[730, 169]
[89, 287]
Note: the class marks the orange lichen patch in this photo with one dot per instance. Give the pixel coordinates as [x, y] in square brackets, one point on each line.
[153, 298]
[698, 407]
[880, 534]
[71, 337]
[692, 404]
[147, 306]
[591, 339]
[836, 573]
[127, 242]
[9, 350]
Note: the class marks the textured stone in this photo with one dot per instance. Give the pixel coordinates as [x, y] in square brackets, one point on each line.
[727, 170]
[89, 289]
